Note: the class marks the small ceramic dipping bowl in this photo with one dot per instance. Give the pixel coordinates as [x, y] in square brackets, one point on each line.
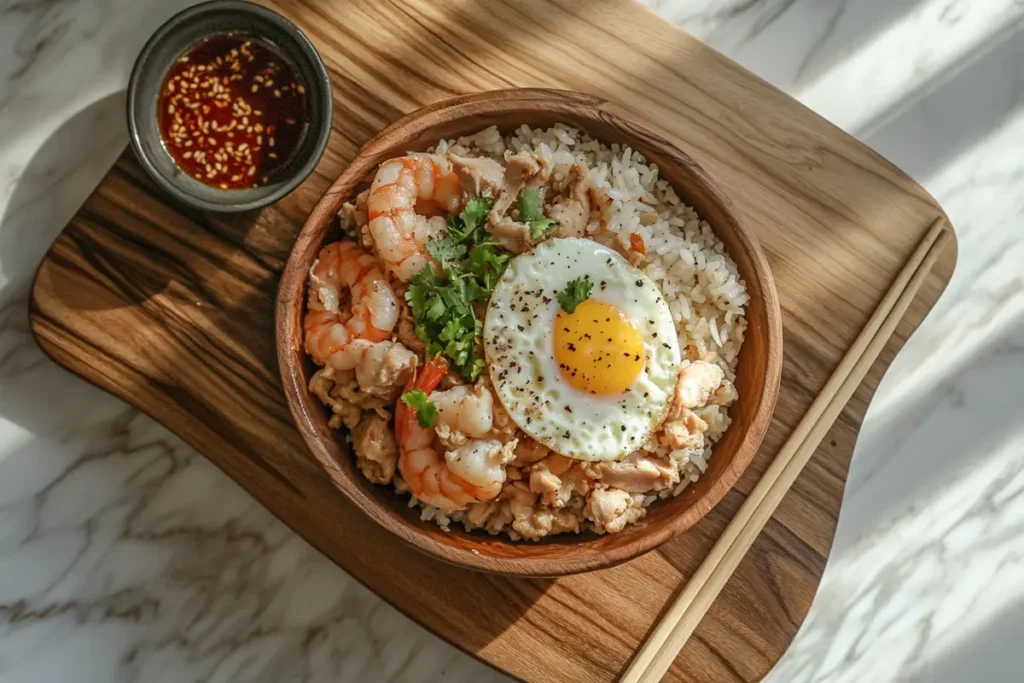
[233, 186]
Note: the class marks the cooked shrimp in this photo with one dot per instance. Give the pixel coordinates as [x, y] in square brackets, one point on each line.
[401, 188]
[473, 472]
[466, 409]
[374, 311]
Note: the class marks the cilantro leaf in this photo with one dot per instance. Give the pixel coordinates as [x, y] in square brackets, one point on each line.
[531, 214]
[442, 297]
[470, 224]
[541, 227]
[417, 295]
[575, 293]
[426, 412]
[475, 213]
[446, 251]
[487, 264]
[529, 205]
[477, 367]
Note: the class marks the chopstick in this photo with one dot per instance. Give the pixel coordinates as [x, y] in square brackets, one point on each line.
[678, 622]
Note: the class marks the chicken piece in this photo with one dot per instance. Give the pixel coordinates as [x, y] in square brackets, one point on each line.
[556, 521]
[480, 176]
[406, 331]
[534, 521]
[572, 211]
[521, 170]
[511, 234]
[530, 451]
[638, 472]
[697, 381]
[366, 240]
[502, 428]
[556, 463]
[353, 215]
[612, 509]
[384, 369]
[602, 207]
[687, 431]
[723, 395]
[376, 450]
[544, 481]
[520, 499]
[450, 438]
[492, 516]
[339, 391]
[556, 478]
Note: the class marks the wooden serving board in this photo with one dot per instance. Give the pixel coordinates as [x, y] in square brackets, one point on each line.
[173, 311]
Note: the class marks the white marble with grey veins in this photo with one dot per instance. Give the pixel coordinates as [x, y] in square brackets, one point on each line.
[126, 556]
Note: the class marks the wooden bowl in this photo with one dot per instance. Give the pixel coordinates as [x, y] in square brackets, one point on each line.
[760, 362]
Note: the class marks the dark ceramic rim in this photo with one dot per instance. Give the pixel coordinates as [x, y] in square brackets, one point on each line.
[323, 116]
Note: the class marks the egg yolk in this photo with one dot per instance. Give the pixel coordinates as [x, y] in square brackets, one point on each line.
[598, 349]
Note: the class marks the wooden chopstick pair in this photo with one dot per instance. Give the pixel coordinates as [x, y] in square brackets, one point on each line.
[653, 659]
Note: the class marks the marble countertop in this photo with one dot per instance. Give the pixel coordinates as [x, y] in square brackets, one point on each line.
[126, 556]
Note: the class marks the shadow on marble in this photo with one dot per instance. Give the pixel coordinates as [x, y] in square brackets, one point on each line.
[949, 114]
[989, 654]
[43, 188]
[930, 428]
[789, 43]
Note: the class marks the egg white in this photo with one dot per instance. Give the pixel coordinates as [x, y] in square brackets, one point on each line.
[519, 347]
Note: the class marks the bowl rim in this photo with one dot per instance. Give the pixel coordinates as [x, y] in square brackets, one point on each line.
[325, 113]
[291, 301]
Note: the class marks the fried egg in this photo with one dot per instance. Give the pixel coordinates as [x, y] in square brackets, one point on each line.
[592, 384]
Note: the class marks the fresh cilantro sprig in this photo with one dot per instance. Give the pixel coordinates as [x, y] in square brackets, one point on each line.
[530, 213]
[426, 411]
[470, 224]
[442, 298]
[576, 292]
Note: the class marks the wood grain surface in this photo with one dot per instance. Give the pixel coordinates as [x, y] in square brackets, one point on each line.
[173, 311]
